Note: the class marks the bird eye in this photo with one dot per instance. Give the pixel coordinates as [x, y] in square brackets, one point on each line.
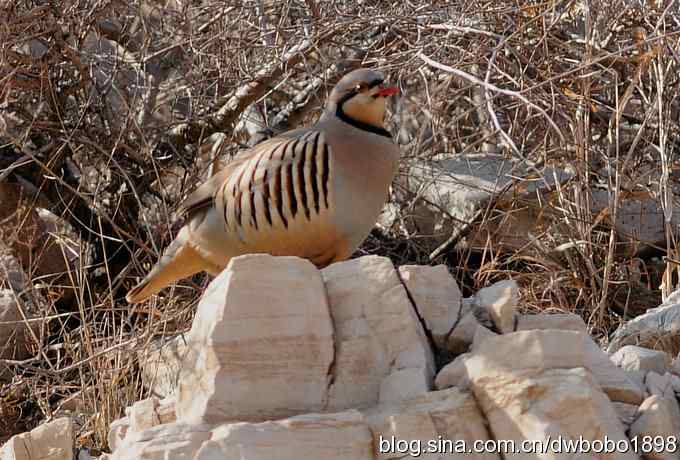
[360, 87]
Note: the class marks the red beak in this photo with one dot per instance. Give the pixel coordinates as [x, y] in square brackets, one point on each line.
[384, 92]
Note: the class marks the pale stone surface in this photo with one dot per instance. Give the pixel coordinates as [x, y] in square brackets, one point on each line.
[176, 440]
[675, 383]
[436, 295]
[150, 412]
[559, 321]
[377, 333]
[141, 416]
[500, 299]
[51, 441]
[367, 355]
[481, 334]
[638, 378]
[405, 383]
[627, 412]
[461, 337]
[118, 430]
[634, 358]
[658, 328]
[261, 344]
[675, 366]
[342, 435]
[535, 403]
[233, 371]
[449, 414]
[551, 349]
[660, 385]
[619, 385]
[657, 418]
[638, 220]
[160, 364]
[454, 374]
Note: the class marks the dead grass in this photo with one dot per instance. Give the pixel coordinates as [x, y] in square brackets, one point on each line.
[109, 111]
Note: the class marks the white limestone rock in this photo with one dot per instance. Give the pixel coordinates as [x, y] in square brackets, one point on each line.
[675, 383]
[537, 403]
[439, 415]
[662, 386]
[52, 441]
[118, 431]
[640, 359]
[461, 337]
[500, 300]
[141, 416]
[378, 336]
[454, 374]
[261, 344]
[150, 412]
[657, 418]
[453, 188]
[551, 349]
[627, 412]
[338, 436]
[481, 334]
[436, 295]
[658, 328]
[177, 440]
[559, 321]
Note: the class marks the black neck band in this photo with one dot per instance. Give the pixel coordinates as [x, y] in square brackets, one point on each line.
[356, 123]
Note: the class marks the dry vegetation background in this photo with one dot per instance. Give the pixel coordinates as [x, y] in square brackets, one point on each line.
[111, 111]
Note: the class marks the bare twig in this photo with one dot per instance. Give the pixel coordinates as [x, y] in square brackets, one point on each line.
[222, 120]
[492, 87]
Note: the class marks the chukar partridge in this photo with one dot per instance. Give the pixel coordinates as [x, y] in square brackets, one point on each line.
[313, 193]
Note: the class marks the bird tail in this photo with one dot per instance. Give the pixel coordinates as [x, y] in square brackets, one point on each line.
[178, 261]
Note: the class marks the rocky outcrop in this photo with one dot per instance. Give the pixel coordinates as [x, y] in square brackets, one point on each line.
[326, 341]
[658, 328]
[50, 441]
[255, 350]
[339, 363]
[542, 376]
[381, 350]
[437, 297]
[658, 419]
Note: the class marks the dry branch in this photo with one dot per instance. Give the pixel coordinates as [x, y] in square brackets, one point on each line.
[492, 87]
[224, 118]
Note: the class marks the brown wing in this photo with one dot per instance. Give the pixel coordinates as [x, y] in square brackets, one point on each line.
[204, 195]
[285, 182]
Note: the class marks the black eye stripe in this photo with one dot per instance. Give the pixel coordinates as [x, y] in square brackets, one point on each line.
[365, 86]
[375, 83]
[355, 90]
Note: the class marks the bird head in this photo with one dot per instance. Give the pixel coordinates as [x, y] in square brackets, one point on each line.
[360, 96]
